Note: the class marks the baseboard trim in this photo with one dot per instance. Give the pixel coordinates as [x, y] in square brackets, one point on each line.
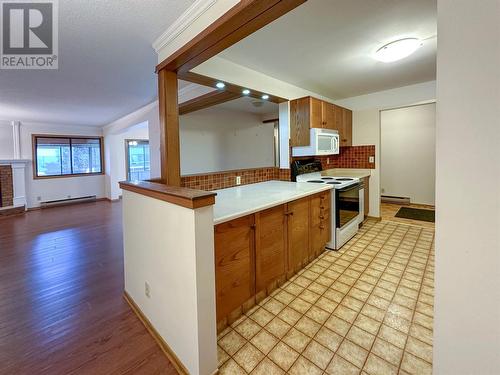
[377, 218]
[169, 353]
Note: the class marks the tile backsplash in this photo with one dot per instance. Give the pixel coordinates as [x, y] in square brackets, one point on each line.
[222, 180]
[350, 157]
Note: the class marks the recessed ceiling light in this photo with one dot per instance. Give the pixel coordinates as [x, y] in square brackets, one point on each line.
[397, 50]
[220, 85]
[265, 96]
[246, 92]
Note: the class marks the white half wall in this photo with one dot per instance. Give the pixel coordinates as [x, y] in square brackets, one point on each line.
[366, 123]
[467, 307]
[6, 140]
[408, 153]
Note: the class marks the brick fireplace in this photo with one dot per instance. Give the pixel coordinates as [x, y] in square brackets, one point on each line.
[6, 186]
[12, 186]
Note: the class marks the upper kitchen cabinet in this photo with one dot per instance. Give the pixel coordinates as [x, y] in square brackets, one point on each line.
[309, 112]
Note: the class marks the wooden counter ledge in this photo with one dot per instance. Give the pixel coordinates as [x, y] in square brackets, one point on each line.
[180, 196]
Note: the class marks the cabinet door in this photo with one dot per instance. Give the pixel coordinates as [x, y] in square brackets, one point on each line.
[328, 115]
[234, 264]
[346, 130]
[298, 234]
[300, 122]
[320, 223]
[270, 246]
[316, 120]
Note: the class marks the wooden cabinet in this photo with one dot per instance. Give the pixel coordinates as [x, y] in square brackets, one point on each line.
[234, 264]
[270, 246]
[309, 112]
[320, 223]
[257, 251]
[298, 225]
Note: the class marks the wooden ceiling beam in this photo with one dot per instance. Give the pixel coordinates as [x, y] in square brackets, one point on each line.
[243, 19]
[207, 100]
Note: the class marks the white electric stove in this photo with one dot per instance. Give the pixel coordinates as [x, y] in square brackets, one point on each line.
[346, 200]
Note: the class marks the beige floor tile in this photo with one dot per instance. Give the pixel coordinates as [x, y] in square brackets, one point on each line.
[304, 367]
[248, 357]
[400, 311]
[393, 336]
[423, 320]
[231, 368]
[414, 365]
[396, 322]
[419, 349]
[421, 333]
[248, 328]
[360, 337]
[338, 325]
[318, 354]
[387, 351]
[264, 341]
[341, 287]
[267, 367]
[328, 338]
[317, 288]
[307, 326]
[300, 305]
[339, 366]
[293, 289]
[296, 339]
[377, 366]
[302, 281]
[352, 303]
[278, 327]
[289, 315]
[368, 324]
[353, 353]
[283, 355]
[309, 296]
[317, 314]
[262, 317]
[334, 295]
[222, 356]
[373, 312]
[326, 304]
[284, 297]
[274, 306]
[232, 342]
[345, 313]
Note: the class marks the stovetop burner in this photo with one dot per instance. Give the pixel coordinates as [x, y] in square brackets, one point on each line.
[327, 178]
[344, 179]
[334, 183]
[316, 181]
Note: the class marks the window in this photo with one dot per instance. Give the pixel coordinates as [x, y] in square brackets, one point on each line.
[67, 156]
[138, 165]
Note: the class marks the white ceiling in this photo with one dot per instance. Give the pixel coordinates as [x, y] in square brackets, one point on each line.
[326, 46]
[106, 64]
[247, 104]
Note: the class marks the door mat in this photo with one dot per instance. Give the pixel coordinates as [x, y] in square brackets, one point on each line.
[417, 214]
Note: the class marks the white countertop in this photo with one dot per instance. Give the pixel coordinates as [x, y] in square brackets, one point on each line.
[239, 201]
[347, 172]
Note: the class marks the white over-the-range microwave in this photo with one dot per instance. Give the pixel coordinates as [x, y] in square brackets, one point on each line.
[323, 142]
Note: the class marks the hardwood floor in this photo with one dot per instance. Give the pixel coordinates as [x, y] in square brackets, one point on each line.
[61, 304]
[389, 210]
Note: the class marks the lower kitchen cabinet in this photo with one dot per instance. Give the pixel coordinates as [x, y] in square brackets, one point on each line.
[234, 264]
[320, 223]
[270, 246]
[255, 253]
[298, 224]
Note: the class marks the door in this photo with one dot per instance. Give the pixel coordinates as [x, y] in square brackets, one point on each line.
[234, 264]
[298, 234]
[138, 161]
[270, 246]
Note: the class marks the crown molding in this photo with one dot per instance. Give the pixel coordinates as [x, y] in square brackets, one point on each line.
[182, 23]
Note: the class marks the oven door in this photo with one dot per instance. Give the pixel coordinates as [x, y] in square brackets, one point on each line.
[347, 205]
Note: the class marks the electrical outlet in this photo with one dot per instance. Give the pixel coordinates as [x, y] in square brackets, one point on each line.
[238, 180]
[371, 159]
[147, 289]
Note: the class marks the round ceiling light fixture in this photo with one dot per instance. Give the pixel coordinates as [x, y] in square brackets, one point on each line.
[397, 50]
[246, 92]
[265, 96]
[220, 85]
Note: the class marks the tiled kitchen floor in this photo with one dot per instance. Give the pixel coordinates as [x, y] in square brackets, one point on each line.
[365, 309]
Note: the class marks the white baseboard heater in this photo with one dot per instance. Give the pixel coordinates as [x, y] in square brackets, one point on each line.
[393, 199]
[63, 202]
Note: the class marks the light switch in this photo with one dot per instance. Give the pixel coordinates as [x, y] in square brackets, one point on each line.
[238, 180]
[371, 159]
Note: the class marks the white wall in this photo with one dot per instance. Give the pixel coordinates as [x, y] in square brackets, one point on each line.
[467, 305]
[366, 123]
[172, 249]
[215, 139]
[50, 189]
[6, 140]
[408, 153]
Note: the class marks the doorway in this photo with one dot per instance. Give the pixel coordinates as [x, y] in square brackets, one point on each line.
[138, 159]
